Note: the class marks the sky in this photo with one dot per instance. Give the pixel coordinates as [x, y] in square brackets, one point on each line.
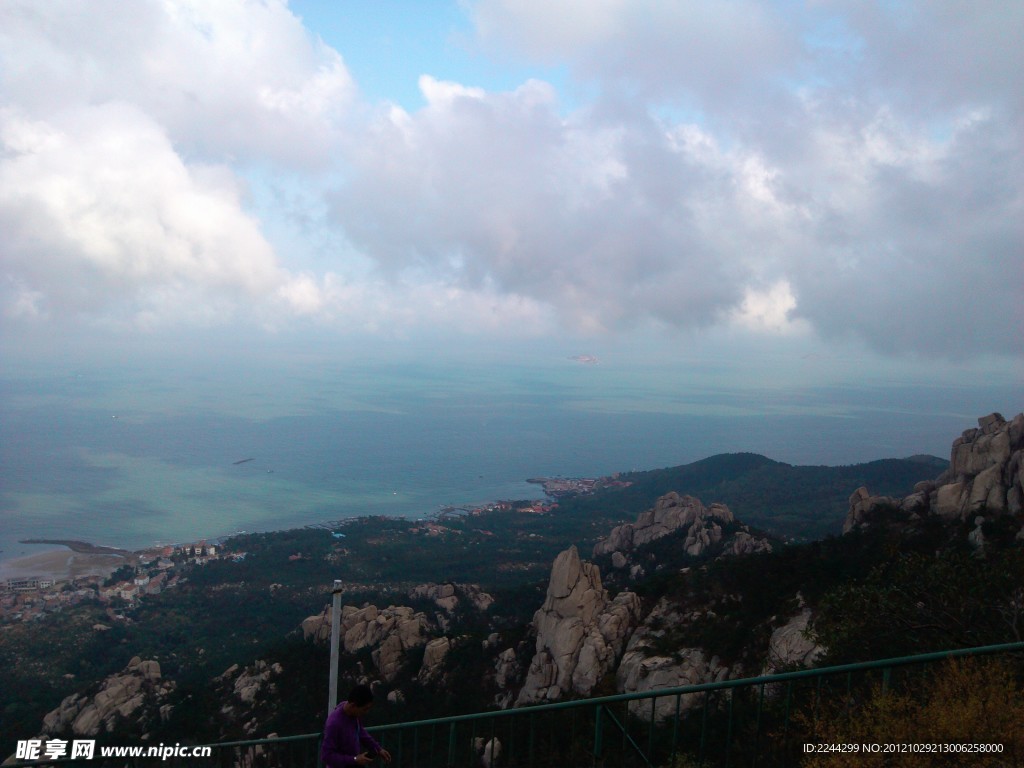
[835, 181]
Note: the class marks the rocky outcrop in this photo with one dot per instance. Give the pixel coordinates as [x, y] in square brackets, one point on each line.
[744, 543]
[644, 669]
[244, 690]
[580, 632]
[434, 656]
[389, 633]
[671, 513]
[506, 669]
[790, 645]
[985, 477]
[254, 679]
[449, 596]
[865, 508]
[128, 695]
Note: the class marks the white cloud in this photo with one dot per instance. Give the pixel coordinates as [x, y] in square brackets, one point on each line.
[854, 168]
[684, 50]
[769, 311]
[241, 79]
[99, 209]
[609, 223]
[123, 128]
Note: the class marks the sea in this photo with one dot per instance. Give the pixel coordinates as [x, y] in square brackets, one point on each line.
[132, 456]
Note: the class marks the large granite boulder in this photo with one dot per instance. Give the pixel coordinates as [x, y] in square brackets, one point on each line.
[790, 645]
[434, 656]
[580, 632]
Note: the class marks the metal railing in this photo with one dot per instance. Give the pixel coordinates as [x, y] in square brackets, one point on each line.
[742, 722]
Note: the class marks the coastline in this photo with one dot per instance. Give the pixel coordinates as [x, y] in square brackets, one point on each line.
[77, 558]
[80, 547]
[61, 565]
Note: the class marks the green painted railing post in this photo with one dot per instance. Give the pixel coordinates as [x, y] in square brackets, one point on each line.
[511, 742]
[451, 745]
[572, 728]
[704, 726]
[622, 728]
[675, 727]
[728, 730]
[885, 679]
[598, 735]
[650, 732]
[849, 694]
[817, 700]
[533, 735]
[757, 730]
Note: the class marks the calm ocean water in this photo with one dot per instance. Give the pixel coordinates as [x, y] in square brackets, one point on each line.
[134, 457]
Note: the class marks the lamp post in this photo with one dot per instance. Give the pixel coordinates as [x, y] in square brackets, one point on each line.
[332, 687]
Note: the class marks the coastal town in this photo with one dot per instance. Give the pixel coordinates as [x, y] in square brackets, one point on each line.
[130, 577]
[142, 574]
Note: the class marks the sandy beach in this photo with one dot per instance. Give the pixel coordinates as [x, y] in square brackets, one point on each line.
[60, 565]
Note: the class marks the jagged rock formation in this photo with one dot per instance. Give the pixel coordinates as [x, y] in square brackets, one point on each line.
[985, 477]
[447, 596]
[580, 632]
[790, 646]
[643, 668]
[506, 669]
[253, 679]
[124, 695]
[671, 513]
[245, 688]
[389, 633]
[433, 659]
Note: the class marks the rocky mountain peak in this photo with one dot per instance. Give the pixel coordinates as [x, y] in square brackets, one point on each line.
[580, 632]
[671, 513]
[985, 478]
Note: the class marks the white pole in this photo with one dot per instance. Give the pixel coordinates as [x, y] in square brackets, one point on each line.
[332, 700]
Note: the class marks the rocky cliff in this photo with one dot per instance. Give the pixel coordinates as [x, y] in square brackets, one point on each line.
[985, 479]
[646, 666]
[582, 636]
[388, 632]
[580, 632]
[245, 690]
[129, 695]
[704, 528]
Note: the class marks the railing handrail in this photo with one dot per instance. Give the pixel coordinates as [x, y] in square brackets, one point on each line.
[741, 682]
[602, 701]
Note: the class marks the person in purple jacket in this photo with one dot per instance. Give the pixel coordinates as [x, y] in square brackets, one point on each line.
[346, 742]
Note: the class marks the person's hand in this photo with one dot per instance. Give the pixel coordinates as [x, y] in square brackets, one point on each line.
[384, 755]
[363, 758]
